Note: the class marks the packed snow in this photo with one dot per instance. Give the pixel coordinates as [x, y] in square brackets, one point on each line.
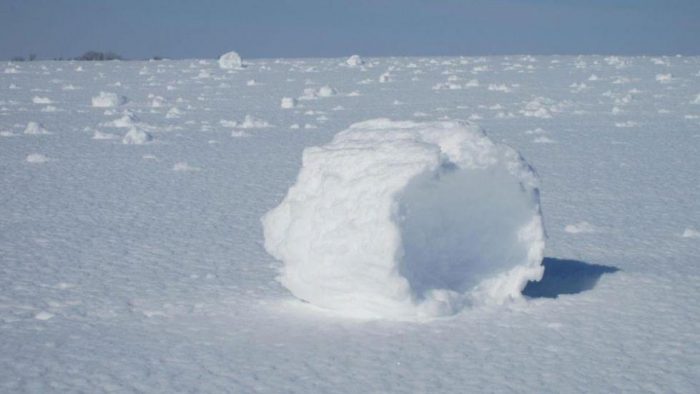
[142, 267]
[406, 220]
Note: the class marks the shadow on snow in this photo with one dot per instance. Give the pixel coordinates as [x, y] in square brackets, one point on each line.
[563, 276]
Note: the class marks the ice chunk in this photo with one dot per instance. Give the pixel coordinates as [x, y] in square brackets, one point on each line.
[408, 220]
[230, 61]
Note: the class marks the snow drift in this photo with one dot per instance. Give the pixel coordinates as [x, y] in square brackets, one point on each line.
[407, 220]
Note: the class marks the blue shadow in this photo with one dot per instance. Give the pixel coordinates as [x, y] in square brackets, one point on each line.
[566, 277]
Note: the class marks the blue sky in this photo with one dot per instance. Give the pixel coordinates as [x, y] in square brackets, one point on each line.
[315, 28]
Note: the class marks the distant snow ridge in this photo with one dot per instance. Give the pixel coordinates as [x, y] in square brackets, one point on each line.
[230, 61]
[408, 220]
[107, 99]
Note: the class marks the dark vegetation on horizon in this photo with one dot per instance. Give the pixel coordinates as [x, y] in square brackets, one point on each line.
[87, 56]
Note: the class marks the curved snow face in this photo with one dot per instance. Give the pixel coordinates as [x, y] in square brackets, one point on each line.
[230, 61]
[406, 220]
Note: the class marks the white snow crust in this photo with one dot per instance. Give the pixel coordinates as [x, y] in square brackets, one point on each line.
[406, 220]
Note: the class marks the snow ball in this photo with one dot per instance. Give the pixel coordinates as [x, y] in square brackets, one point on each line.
[664, 78]
[35, 128]
[36, 158]
[354, 61]
[580, 228]
[43, 315]
[230, 61]
[99, 135]
[251, 122]
[173, 113]
[136, 136]
[41, 100]
[543, 140]
[288, 102]
[184, 166]
[107, 99]
[408, 220]
[691, 233]
[239, 134]
[326, 91]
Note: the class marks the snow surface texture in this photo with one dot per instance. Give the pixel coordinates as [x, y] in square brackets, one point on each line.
[230, 61]
[119, 272]
[406, 220]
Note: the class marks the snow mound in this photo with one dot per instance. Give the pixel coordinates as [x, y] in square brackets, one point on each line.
[354, 61]
[230, 61]
[408, 220]
[107, 99]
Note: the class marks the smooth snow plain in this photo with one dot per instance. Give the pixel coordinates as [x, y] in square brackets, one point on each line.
[133, 259]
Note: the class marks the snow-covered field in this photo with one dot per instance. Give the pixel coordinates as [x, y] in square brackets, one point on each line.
[132, 255]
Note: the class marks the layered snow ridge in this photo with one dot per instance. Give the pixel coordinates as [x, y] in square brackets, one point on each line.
[408, 220]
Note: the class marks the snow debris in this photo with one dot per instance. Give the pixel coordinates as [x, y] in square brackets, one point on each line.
[408, 220]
